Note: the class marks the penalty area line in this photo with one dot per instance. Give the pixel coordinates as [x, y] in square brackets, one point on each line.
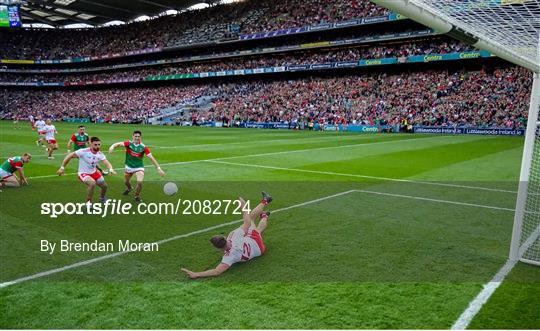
[331, 173]
[459, 203]
[303, 150]
[481, 298]
[490, 287]
[185, 235]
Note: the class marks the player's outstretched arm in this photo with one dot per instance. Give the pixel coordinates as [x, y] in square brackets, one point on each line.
[115, 145]
[109, 166]
[68, 158]
[221, 268]
[69, 144]
[156, 164]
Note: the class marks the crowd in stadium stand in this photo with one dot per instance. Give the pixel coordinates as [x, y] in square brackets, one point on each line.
[435, 98]
[269, 60]
[112, 105]
[438, 98]
[188, 27]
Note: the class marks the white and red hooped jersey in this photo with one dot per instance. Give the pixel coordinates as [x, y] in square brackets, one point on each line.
[243, 247]
[40, 124]
[88, 160]
[49, 130]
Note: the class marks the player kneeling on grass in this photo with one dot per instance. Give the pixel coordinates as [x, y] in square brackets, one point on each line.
[242, 244]
[135, 151]
[9, 167]
[88, 173]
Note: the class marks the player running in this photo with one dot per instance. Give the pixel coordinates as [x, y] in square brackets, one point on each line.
[16, 122]
[79, 139]
[242, 244]
[135, 151]
[8, 169]
[31, 120]
[88, 174]
[50, 131]
[39, 125]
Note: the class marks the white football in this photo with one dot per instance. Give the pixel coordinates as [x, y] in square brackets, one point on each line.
[170, 188]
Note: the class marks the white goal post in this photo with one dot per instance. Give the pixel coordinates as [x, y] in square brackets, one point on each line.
[509, 29]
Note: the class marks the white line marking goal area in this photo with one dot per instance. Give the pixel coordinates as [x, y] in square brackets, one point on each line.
[117, 254]
[331, 173]
[463, 321]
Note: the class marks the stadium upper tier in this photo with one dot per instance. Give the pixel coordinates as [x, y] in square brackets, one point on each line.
[494, 98]
[383, 35]
[215, 23]
[441, 45]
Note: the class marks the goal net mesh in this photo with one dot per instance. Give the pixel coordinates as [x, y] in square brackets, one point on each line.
[530, 233]
[510, 28]
[513, 25]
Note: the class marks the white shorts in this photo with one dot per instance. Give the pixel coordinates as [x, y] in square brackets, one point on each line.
[4, 174]
[130, 171]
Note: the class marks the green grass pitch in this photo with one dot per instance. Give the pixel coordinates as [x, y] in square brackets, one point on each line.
[371, 231]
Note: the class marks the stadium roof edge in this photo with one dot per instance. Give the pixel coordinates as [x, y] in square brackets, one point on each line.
[97, 13]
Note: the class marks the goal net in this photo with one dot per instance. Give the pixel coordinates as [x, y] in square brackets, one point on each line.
[510, 29]
[528, 244]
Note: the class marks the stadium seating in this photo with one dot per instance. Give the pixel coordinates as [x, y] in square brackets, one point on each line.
[438, 98]
[283, 59]
[466, 97]
[185, 28]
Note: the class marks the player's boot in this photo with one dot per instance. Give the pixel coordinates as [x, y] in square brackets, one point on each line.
[266, 198]
[265, 214]
[103, 199]
[126, 192]
[138, 199]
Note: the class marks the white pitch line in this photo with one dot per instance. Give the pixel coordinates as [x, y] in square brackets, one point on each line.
[489, 288]
[293, 140]
[361, 176]
[322, 148]
[268, 154]
[435, 200]
[185, 235]
[309, 140]
[478, 302]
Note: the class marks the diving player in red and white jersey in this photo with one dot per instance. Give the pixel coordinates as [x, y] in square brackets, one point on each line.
[242, 244]
[50, 131]
[88, 173]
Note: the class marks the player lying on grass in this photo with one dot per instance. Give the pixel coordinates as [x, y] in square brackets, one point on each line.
[10, 167]
[242, 244]
[135, 151]
[88, 173]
